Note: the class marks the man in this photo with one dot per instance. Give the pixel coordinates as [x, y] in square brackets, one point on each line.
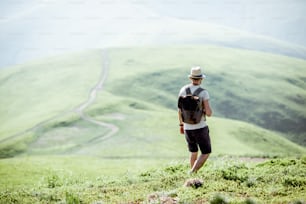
[197, 135]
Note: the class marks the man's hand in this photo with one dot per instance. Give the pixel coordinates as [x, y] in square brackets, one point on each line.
[182, 129]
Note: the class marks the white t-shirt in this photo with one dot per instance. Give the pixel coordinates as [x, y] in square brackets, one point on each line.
[205, 96]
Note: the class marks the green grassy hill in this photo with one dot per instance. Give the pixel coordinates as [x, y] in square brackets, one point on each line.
[261, 88]
[40, 90]
[141, 89]
[258, 101]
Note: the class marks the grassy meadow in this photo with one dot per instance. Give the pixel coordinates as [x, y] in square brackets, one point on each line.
[89, 180]
[52, 155]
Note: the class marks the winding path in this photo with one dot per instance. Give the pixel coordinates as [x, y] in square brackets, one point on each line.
[92, 97]
[80, 110]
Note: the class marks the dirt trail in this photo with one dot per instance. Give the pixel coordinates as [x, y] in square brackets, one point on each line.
[92, 97]
[80, 110]
[93, 93]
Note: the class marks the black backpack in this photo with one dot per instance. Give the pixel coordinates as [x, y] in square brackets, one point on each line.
[191, 106]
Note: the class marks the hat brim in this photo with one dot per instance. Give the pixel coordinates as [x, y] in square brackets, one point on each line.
[197, 77]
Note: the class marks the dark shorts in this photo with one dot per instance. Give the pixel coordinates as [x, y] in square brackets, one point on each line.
[198, 138]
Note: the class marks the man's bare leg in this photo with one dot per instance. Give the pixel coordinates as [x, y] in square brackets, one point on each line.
[199, 162]
[193, 158]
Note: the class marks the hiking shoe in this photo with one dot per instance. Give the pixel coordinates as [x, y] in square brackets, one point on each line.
[192, 172]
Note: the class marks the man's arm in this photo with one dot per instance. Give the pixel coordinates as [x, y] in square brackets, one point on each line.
[180, 121]
[208, 110]
[180, 116]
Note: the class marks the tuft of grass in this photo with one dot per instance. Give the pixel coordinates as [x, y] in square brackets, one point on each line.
[72, 198]
[236, 173]
[218, 199]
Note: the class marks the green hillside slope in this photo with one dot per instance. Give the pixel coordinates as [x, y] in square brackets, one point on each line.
[40, 90]
[150, 132]
[139, 98]
[145, 126]
[265, 89]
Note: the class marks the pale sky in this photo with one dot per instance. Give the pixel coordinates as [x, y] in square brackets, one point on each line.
[31, 29]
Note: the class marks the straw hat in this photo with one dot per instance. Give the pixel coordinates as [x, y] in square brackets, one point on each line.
[196, 73]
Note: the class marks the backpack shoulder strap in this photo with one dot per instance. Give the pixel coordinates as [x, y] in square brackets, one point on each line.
[198, 91]
[188, 91]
